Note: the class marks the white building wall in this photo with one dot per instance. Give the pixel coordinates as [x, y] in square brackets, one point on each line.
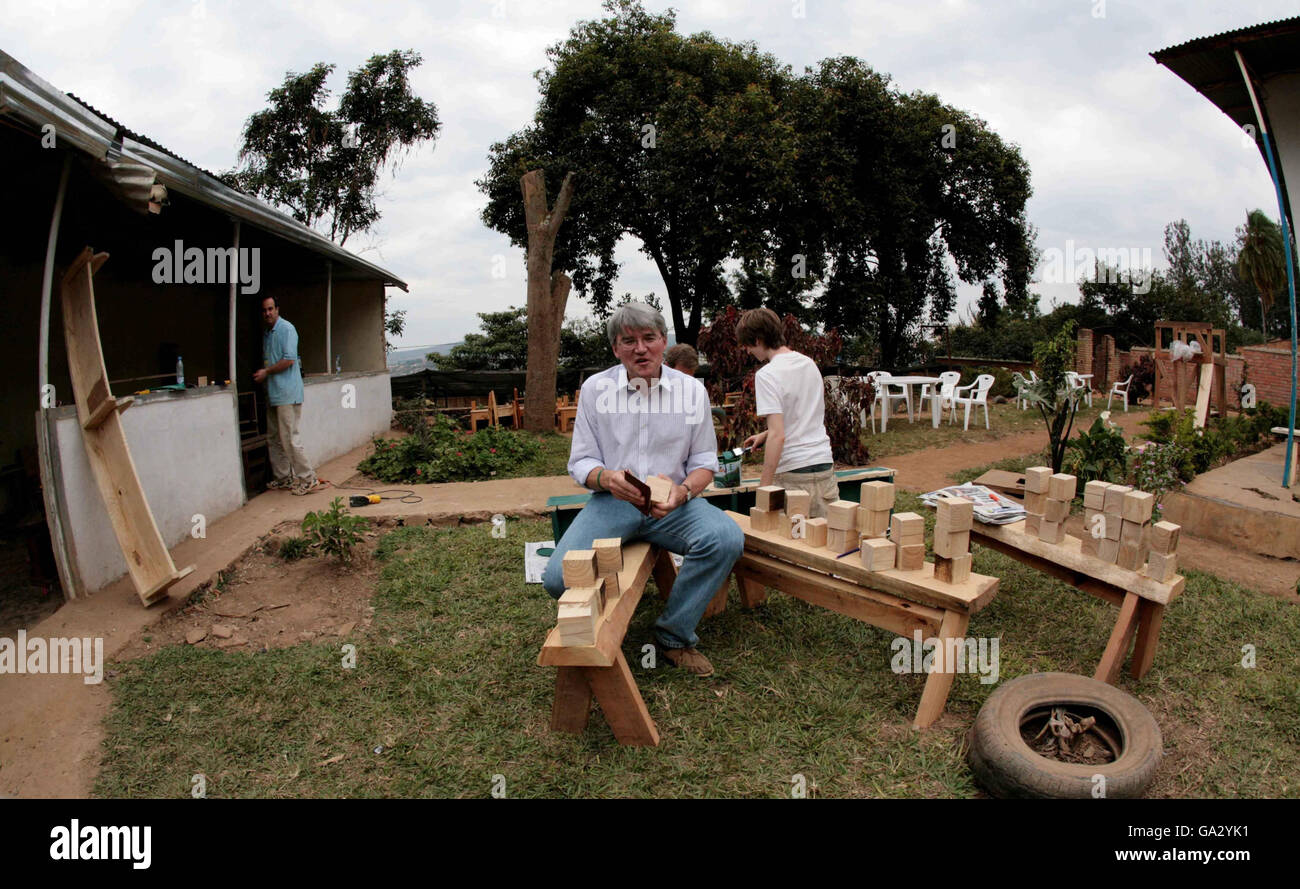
[337, 419]
[186, 452]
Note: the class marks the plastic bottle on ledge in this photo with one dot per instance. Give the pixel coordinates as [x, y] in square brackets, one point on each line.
[180, 372]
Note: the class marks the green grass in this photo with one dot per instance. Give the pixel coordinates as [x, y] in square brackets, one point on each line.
[447, 684]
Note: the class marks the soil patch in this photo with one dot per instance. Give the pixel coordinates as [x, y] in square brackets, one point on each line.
[265, 602]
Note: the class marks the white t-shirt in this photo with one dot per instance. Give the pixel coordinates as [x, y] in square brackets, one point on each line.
[791, 385]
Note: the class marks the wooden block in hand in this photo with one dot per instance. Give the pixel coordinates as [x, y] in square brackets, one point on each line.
[814, 531]
[1036, 479]
[770, 498]
[1062, 486]
[1108, 550]
[797, 502]
[911, 557]
[580, 568]
[1114, 500]
[609, 555]
[838, 540]
[878, 554]
[952, 570]
[763, 519]
[954, 513]
[907, 529]
[1056, 511]
[1094, 495]
[877, 495]
[842, 515]
[1137, 506]
[1051, 532]
[951, 544]
[1161, 566]
[1164, 537]
[873, 522]
[1130, 556]
[1033, 521]
[1035, 503]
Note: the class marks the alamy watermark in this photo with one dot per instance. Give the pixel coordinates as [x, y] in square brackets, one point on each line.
[38, 656]
[1105, 265]
[179, 264]
[951, 655]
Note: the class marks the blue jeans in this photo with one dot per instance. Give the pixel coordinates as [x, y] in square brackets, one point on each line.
[710, 541]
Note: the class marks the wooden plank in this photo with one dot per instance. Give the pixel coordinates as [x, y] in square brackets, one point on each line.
[622, 704]
[572, 704]
[1150, 617]
[1203, 394]
[637, 561]
[917, 586]
[147, 559]
[1112, 660]
[1068, 554]
[939, 682]
[878, 609]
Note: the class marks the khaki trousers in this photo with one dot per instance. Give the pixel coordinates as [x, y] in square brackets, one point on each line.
[821, 485]
[282, 430]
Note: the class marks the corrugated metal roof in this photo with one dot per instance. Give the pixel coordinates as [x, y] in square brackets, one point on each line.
[26, 96]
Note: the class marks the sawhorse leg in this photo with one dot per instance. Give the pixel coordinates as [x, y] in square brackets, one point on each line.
[621, 702]
[939, 682]
[1112, 660]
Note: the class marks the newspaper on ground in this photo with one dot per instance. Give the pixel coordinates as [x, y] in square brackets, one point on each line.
[535, 559]
[991, 508]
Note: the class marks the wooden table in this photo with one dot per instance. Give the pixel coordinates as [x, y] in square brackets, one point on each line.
[1141, 599]
[898, 601]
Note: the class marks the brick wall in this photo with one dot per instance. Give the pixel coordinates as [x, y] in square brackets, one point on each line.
[1269, 368]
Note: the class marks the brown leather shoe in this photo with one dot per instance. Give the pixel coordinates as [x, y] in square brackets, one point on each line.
[688, 659]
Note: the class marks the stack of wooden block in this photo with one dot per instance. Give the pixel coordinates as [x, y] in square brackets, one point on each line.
[907, 531]
[952, 524]
[873, 512]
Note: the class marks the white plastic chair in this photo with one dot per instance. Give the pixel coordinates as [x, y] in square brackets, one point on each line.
[948, 381]
[885, 398]
[979, 394]
[1120, 389]
[1077, 385]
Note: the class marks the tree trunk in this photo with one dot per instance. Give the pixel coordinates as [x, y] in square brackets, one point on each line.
[547, 294]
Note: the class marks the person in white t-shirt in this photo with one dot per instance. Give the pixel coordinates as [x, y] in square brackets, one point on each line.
[788, 391]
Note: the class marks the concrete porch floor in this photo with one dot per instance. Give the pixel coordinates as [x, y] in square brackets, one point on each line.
[50, 724]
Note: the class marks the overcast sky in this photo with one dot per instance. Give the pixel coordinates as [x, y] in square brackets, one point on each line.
[1117, 145]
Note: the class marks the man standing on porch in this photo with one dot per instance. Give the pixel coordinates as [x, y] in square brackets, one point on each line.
[282, 373]
[643, 418]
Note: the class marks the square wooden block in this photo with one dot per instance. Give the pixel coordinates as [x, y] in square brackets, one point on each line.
[954, 513]
[873, 522]
[1108, 550]
[911, 557]
[797, 502]
[952, 544]
[953, 570]
[1094, 494]
[763, 519]
[907, 529]
[839, 540]
[1114, 501]
[1062, 486]
[842, 515]
[770, 498]
[609, 555]
[877, 495]
[1056, 511]
[1051, 532]
[814, 532]
[1036, 479]
[877, 553]
[1032, 523]
[1137, 506]
[1035, 503]
[579, 567]
[1164, 537]
[1161, 566]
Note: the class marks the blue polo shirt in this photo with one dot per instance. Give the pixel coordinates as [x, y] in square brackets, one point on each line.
[279, 343]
